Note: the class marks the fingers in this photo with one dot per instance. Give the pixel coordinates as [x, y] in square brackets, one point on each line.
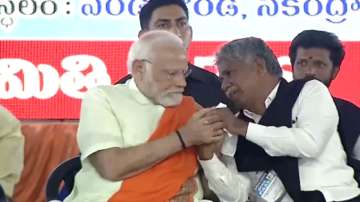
[217, 126]
[211, 119]
[220, 112]
[217, 138]
[217, 131]
[220, 132]
[202, 112]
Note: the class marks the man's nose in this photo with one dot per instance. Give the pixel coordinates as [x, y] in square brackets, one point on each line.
[309, 70]
[225, 84]
[175, 30]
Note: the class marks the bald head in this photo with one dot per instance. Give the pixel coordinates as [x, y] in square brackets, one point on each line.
[158, 62]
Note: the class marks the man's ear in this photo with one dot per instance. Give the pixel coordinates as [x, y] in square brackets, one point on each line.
[335, 72]
[138, 69]
[260, 65]
[141, 32]
[188, 37]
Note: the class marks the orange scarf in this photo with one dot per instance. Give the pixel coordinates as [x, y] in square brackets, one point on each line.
[163, 181]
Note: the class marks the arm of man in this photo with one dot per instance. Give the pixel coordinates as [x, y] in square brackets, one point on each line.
[12, 151]
[316, 121]
[99, 140]
[228, 185]
[116, 164]
[222, 177]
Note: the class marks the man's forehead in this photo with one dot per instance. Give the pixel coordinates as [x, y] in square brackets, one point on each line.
[168, 19]
[313, 52]
[171, 50]
[225, 66]
[168, 12]
[230, 63]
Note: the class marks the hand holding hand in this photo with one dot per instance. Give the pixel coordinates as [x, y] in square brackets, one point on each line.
[200, 129]
[232, 124]
[206, 151]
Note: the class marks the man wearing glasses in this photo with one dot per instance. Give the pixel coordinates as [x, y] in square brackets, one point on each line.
[137, 140]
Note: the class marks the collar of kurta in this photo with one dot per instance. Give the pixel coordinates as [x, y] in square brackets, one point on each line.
[268, 100]
[138, 95]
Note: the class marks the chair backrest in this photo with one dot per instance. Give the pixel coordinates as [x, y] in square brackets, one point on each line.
[47, 144]
[65, 172]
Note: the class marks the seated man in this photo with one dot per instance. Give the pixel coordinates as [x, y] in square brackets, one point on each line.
[319, 54]
[11, 151]
[285, 136]
[136, 139]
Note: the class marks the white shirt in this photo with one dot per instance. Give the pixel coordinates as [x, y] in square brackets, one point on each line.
[313, 139]
[112, 116]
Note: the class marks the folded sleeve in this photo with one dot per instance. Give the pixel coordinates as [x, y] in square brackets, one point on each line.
[315, 121]
[229, 186]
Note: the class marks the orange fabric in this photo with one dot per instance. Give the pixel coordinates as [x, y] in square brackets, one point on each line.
[163, 181]
[46, 146]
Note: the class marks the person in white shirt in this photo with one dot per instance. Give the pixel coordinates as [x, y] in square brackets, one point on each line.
[291, 151]
[319, 54]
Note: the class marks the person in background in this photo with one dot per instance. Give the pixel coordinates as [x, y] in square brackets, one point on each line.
[11, 151]
[319, 54]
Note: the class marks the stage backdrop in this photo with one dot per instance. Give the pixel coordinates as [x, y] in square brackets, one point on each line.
[53, 51]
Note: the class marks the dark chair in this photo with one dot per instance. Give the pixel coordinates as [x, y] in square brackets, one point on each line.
[2, 195]
[65, 172]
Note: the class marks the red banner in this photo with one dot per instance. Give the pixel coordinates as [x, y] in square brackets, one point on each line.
[46, 79]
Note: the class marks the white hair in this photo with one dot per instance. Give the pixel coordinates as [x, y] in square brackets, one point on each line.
[141, 48]
[135, 52]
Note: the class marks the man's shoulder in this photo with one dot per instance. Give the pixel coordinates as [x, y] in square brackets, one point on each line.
[8, 120]
[203, 75]
[299, 86]
[108, 91]
[311, 87]
[342, 104]
[6, 115]
[308, 83]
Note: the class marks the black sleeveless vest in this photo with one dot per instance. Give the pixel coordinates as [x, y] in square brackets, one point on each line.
[251, 157]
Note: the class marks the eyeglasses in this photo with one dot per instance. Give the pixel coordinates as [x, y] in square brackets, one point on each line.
[170, 75]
